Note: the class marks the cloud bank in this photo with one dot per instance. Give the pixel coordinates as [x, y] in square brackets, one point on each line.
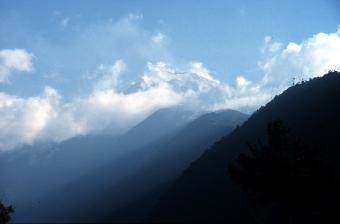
[105, 109]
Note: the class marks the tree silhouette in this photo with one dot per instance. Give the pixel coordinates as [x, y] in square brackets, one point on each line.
[284, 171]
[5, 212]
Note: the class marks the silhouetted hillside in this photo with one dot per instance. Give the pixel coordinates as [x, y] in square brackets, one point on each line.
[205, 193]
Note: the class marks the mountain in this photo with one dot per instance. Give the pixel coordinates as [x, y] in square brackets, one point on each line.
[52, 182]
[160, 126]
[130, 199]
[205, 193]
[34, 170]
[30, 173]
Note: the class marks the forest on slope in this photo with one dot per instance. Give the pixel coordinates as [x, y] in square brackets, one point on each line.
[205, 192]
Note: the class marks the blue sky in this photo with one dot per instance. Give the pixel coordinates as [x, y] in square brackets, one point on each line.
[65, 66]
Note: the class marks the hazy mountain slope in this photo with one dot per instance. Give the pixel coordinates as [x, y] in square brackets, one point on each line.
[205, 193]
[159, 126]
[197, 136]
[84, 167]
[35, 170]
[31, 173]
[134, 196]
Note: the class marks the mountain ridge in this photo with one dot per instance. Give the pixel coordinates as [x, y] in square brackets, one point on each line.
[162, 168]
[205, 193]
[80, 157]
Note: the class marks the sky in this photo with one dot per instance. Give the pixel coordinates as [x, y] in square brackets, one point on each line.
[70, 68]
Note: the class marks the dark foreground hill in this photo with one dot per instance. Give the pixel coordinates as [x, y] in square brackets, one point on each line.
[205, 192]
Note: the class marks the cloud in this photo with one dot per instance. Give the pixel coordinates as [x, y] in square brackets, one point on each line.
[156, 46]
[104, 42]
[158, 38]
[48, 118]
[14, 60]
[198, 69]
[311, 58]
[269, 46]
[64, 23]
[242, 82]
[23, 119]
[111, 75]
[106, 109]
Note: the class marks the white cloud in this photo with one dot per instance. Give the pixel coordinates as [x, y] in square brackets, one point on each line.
[156, 47]
[48, 118]
[198, 69]
[45, 117]
[107, 41]
[242, 82]
[23, 119]
[293, 47]
[158, 38]
[309, 59]
[14, 60]
[111, 75]
[275, 47]
[267, 39]
[268, 46]
[64, 23]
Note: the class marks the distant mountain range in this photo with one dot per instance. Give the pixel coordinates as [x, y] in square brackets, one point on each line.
[204, 193]
[131, 199]
[171, 167]
[67, 181]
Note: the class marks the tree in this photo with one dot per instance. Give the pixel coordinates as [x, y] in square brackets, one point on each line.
[284, 171]
[5, 212]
